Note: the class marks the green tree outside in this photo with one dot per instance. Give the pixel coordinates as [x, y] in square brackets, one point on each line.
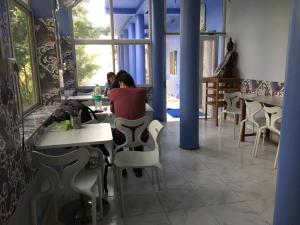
[84, 29]
[21, 45]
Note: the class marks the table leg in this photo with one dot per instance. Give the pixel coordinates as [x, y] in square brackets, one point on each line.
[243, 115]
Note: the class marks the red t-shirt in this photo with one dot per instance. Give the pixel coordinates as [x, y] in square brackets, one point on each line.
[128, 103]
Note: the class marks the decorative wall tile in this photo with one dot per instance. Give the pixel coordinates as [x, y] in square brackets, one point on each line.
[47, 58]
[12, 175]
[262, 88]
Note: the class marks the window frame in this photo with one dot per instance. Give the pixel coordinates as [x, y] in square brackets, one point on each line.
[33, 57]
[114, 42]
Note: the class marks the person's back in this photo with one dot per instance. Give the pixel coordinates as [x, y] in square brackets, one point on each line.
[128, 103]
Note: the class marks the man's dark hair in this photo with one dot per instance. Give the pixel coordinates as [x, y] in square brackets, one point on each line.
[127, 79]
[121, 72]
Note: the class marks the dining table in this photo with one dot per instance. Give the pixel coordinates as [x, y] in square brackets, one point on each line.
[266, 100]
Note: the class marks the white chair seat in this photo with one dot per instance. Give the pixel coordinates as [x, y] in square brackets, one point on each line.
[86, 181]
[136, 159]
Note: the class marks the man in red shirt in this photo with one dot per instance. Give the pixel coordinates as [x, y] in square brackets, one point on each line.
[128, 102]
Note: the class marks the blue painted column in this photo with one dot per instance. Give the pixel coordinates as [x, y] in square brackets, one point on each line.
[159, 59]
[126, 52]
[189, 73]
[140, 49]
[132, 55]
[287, 202]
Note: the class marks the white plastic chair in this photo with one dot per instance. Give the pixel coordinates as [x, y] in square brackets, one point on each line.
[232, 100]
[273, 116]
[252, 109]
[63, 175]
[135, 159]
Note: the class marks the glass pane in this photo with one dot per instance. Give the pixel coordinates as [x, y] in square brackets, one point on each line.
[91, 20]
[173, 70]
[93, 63]
[135, 60]
[131, 19]
[21, 44]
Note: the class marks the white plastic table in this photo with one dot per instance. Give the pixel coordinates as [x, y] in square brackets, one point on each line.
[89, 134]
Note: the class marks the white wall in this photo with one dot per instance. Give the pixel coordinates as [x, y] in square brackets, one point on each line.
[260, 30]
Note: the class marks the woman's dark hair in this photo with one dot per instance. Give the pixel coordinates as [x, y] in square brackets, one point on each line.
[127, 79]
[110, 74]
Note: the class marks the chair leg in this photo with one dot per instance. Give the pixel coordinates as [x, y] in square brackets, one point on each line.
[100, 193]
[220, 121]
[33, 211]
[121, 191]
[276, 157]
[256, 143]
[241, 131]
[55, 208]
[234, 118]
[94, 212]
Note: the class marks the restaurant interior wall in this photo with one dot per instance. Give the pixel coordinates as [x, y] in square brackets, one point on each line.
[260, 30]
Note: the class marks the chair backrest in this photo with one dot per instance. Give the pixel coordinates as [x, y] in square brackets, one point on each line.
[252, 108]
[272, 114]
[61, 170]
[132, 130]
[155, 128]
[232, 100]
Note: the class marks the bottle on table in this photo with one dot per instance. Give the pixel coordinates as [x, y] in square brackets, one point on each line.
[98, 98]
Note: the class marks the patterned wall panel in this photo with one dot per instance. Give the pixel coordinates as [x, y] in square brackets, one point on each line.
[262, 88]
[67, 54]
[13, 177]
[47, 58]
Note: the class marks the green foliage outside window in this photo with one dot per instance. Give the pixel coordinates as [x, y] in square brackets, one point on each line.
[84, 29]
[21, 44]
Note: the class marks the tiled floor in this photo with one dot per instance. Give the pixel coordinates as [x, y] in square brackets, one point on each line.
[219, 184]
[216, 185]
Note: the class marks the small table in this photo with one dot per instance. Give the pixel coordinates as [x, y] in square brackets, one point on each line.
[266, 100]
[89, 134]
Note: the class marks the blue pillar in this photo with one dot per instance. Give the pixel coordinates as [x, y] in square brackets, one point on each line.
[159, 59]
[132, 56]
[140, 49]
[126, 53]
[287, 202]
[189, 73]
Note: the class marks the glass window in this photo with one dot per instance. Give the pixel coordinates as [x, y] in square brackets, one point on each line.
[97, 49]
[135, 60]
[21, 39]
[93, 63]
[91, 20]
[131, 19]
